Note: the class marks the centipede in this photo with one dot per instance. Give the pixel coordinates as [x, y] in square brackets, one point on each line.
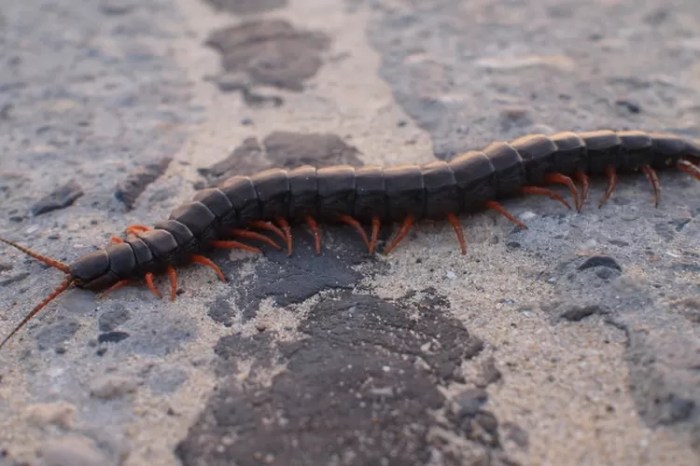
[262, 208]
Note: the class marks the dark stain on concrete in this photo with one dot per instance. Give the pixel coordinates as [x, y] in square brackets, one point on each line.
[58, 199]
[129, 189]
[290, 280]
[285, 150]
[247, 7]
[361, 387]
[267, 52]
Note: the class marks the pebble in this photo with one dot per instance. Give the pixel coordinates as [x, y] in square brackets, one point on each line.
[527, 215]
[72, 450]
[600, 261]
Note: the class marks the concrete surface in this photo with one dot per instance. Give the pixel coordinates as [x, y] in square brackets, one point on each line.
[576, 341]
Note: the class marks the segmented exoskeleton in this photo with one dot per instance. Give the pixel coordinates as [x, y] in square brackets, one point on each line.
[272, 199]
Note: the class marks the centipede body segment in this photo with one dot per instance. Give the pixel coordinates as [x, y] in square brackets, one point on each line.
[272, 200]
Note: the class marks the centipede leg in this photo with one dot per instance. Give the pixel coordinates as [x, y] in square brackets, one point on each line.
[172, 277]
[558, 178]
[205, 261]
[117, 286]
[287, 230]
[247, 234]
[405, 229]
[374, 238]
[236, 245]
[545, 192]
[585, 183]
[269, 226]
[116, 240]
[493, 205]
[151, 286]
[611, 175]
[654, 181]
[348, 220]
[134, 229]
[315, 232]
[686, 166]
[454, 221]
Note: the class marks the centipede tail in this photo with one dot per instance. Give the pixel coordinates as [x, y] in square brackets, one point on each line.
[250, 208]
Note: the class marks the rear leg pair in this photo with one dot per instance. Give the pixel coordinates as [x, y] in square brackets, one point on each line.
[579, 197]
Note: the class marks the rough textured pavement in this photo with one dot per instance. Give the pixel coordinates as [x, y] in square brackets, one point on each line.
[576, 341]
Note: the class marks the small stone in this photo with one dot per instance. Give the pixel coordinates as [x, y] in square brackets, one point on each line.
[59, 199]
[527, 215]
[113, 386]
[72, 450]
[628, 105]
[60, 414]
[600, 261]
[577, 313]
[112, 337]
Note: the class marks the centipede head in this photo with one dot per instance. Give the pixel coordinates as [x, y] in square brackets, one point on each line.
[69, 280]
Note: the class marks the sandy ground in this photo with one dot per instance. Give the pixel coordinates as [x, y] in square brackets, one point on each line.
[576, 341]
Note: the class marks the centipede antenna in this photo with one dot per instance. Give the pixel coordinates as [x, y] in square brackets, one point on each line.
[54, 294]
[40, 257]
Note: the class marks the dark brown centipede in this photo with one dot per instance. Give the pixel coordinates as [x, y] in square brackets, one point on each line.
[273, 199]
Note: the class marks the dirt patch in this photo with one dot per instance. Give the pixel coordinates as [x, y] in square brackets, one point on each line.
[267, 52]
[361, 387]
[282, 149]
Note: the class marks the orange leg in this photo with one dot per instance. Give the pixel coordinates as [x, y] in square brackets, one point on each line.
[172, 277]
[585, 183]
[454, 221]
[134, 229]
[234, 245]
[116, 240]
[558, 178]
[405, 228]
[315, 232]
[269, 226]
[151, 286]
[545, 192]
[654, 180]
[611, 175]
[117, 286]
[376, 226]
[287, 230]
[201, 260]
[493, 205]
[348, 220]
[247, 234]
[686, 166]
